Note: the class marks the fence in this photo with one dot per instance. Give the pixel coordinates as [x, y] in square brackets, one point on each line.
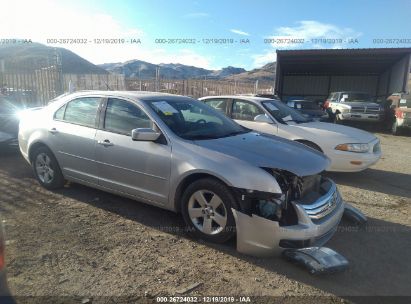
[198, 87]
[38, 87]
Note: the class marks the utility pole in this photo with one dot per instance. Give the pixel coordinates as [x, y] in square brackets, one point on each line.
[139, 75]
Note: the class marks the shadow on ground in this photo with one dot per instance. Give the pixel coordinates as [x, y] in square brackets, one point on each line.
[379, 253]
[391, 183]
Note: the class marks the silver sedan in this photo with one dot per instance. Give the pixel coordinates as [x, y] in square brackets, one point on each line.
[179, 154]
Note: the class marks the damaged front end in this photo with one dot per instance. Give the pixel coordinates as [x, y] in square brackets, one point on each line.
[306, 213]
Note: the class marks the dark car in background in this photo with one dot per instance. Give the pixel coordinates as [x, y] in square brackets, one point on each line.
[309, 109]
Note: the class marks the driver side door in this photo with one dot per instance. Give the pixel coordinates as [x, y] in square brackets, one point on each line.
[138, 168]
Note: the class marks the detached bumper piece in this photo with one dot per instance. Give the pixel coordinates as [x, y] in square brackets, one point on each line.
[354, 215]
[317, 260]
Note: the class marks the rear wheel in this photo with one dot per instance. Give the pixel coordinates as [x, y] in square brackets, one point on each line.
[207, 211]
[46, 169]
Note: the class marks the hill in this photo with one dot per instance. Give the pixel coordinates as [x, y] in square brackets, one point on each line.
[30, 56]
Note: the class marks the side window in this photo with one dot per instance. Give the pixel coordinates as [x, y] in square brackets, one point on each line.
[244, 110]
[333, 97]
[122, 117]
[59, 115]
[218, 104]
[82, 111]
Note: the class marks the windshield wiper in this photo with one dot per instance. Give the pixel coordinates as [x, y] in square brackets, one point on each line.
[200, 137]
[234, 133]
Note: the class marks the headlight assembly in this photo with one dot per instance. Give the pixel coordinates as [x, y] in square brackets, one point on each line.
[358, 148]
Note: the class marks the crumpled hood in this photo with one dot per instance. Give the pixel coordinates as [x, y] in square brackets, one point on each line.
[335, 133]
[269, 151]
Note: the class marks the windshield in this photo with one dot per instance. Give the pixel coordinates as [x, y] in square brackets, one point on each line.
[306, 105]
[283, 113]
[193, 120]
[356, 97]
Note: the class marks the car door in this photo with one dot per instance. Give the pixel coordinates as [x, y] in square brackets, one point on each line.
[72, 134]
[244, 112]
[138, 168]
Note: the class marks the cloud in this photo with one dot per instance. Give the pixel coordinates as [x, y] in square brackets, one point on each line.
[262, 59]
[308, 34]
[239, 32]
[64, 22]
[196, 15]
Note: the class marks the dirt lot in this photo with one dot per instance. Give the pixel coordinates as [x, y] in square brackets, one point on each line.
[87, 243]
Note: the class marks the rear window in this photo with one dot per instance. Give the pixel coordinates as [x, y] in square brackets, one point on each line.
[82, 111]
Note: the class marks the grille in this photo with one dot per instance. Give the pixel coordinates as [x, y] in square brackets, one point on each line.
[366, 110]
[324, 205]
[357, 109]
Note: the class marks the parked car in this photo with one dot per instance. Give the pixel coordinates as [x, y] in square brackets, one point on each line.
[9, 122]
[400, 106]
[309, 109]
[354, 106]
[177, 153]
[349, 149]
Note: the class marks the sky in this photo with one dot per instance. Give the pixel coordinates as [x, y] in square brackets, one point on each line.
[209, 34]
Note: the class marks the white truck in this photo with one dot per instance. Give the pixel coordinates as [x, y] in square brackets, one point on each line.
[358, 106]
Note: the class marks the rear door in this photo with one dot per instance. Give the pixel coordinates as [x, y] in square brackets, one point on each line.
[138, 168]
[73, 135]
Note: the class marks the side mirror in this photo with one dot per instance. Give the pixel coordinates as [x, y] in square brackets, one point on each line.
[263, 118]
[144, 134]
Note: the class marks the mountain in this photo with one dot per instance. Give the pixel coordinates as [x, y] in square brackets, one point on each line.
[146, 70]
[265, 73]
[27, 57]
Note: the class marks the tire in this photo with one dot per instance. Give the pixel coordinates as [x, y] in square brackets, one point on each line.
[206, 209]
[46, 169]
[337, 118]
[395, 129]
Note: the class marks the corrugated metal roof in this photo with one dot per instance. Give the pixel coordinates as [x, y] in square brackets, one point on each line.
[344, 61]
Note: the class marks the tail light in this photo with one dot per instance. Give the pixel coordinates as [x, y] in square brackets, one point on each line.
[326, 104]
[399, 114]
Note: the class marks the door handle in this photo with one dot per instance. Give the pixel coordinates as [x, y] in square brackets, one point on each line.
[105, 143]
[53, 131]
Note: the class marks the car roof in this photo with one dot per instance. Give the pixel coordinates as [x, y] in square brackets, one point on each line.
[350, 92]
[244, 97]
[146, 95]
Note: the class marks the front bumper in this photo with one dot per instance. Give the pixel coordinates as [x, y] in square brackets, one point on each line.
[259, 236]
[361, 116]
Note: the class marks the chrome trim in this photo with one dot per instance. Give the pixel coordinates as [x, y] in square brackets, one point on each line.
[324, 205]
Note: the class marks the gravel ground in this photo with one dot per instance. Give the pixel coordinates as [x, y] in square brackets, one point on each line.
[86, 243]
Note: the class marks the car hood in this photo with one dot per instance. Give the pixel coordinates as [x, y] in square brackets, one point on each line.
[334, 133]
[268, 151]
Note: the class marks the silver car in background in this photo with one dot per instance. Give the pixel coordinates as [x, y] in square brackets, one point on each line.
[177, 153]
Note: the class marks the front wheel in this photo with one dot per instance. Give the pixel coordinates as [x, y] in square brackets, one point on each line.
[394, 129]
[46, 169]
[206, 209]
